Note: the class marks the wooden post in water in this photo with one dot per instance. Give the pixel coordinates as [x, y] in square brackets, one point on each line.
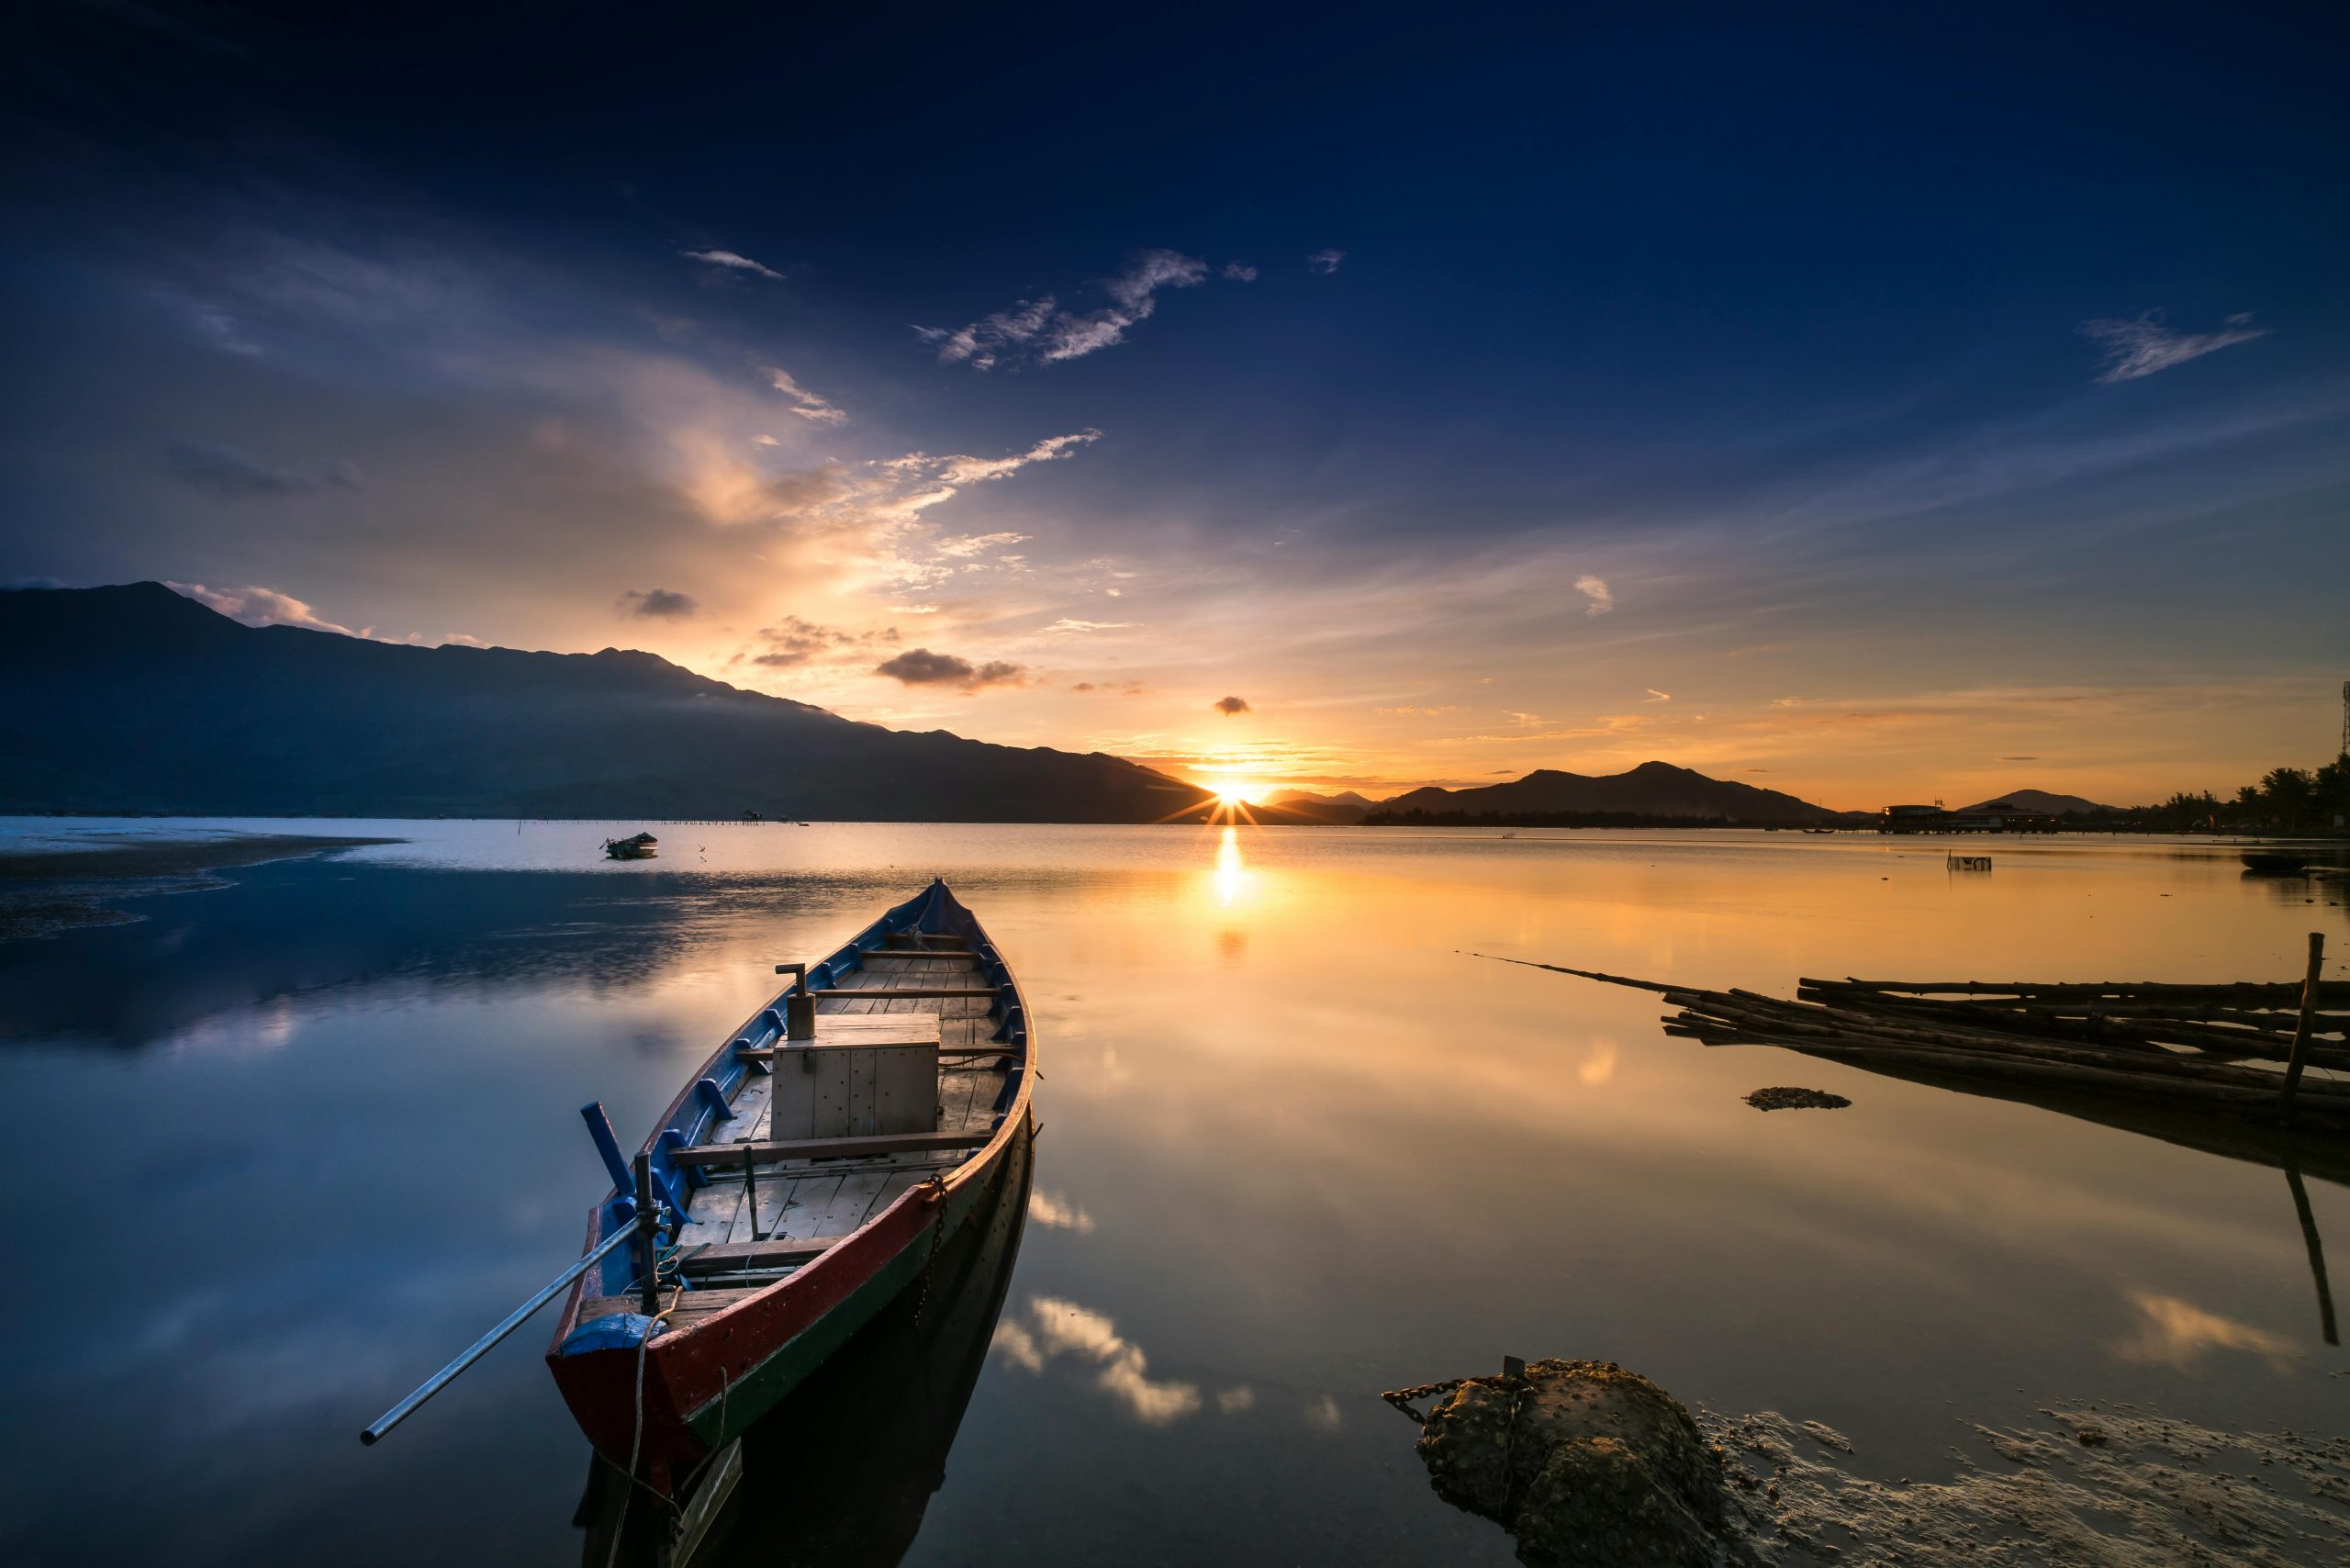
[647, 1249]
[2294, 1062]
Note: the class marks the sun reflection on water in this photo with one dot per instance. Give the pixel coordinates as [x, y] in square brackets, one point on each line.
[1231, 874]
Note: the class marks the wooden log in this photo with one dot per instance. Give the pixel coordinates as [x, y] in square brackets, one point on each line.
[769, 1153]
[2294, 1063]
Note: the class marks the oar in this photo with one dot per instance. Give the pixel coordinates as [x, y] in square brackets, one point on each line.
[482, 1346]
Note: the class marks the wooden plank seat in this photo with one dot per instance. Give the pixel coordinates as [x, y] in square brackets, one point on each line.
[768, 1152]
[897, 993]
[741, 1257]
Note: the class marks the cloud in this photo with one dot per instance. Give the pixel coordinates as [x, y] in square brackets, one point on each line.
[920, 667]
[1656, 696]
[728, 261]
[1055, 1328]
[1326, 262]
[1040, 330]
[1409, 709]
[1239, 272]
[795, 641]
[1228, 706]
[225, 471]
[221, 329]
[1080, 686]
[965, 545]
[809, 406]
[1067, 623]
[980, 342]
[1133, 295]
[2143, 346]
[658, 604]
[1596, 588]
[259, 606]
[2015, 759]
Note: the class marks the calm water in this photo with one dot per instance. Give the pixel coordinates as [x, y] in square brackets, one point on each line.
[282, 1147]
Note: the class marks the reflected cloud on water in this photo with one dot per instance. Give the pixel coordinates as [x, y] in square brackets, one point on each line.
[2179, 1333]
[1050, 1329]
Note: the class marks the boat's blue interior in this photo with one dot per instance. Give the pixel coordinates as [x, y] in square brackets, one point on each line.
[935, 912]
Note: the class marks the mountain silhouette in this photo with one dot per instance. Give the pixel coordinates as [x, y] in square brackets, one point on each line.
[1656, 790]
[134, 699]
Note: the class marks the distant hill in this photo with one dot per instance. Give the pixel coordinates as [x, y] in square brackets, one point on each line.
[2036, 803]
[134, 699]
[1347, 806]
[1654, 789]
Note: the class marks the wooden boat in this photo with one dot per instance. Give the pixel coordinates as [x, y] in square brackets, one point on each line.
[810, 1171]
[636, 846]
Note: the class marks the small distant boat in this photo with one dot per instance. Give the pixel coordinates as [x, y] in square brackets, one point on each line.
[872, 1137]
[1819, 830]
[2276, 862]
[637, 847]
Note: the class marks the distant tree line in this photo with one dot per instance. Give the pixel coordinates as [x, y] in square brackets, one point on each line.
[2286, 800]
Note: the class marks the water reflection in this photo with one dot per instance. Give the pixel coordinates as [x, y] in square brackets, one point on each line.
[843, 1471]
[1300, 1150]
[1050, 1328]
[1231, 874]
[2179, 1334]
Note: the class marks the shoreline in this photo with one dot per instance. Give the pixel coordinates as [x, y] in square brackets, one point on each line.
[49, 890]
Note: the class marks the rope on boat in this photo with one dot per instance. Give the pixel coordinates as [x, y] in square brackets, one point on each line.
[636, 1441]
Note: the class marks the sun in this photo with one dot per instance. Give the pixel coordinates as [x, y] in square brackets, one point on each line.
[1232, 794]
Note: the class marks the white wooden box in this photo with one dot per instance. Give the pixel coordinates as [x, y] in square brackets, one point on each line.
[863, 1075]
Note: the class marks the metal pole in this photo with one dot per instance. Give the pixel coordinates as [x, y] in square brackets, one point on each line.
[481, 1347]
[2294, 1062]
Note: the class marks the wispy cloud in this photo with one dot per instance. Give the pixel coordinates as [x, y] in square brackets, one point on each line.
[2144, 345]
[1039, 329]
[806, 403]
[1656, 696]
[984, 339]
[793, 641]
[1231, 706]
[1069, 624]
[920, 667]
[1596, 589]
[1239, 272]
[226, 471]
[964, 547]
[1326, 262]
[729, 261]
[658, 604]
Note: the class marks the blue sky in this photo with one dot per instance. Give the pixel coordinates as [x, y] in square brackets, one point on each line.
[1875, 406]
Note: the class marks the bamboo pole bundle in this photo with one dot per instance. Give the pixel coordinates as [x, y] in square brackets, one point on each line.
[2215, 1047]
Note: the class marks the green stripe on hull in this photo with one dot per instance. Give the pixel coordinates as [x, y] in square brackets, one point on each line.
[723, 1420]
